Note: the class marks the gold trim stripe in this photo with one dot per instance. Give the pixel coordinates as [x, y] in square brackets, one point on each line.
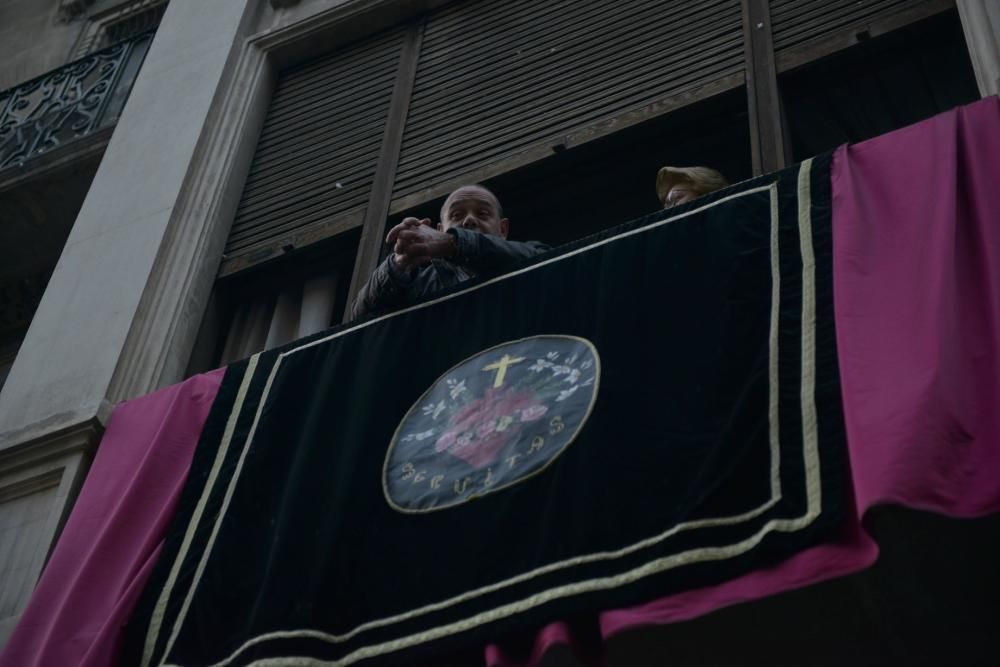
[772, 370]
[808, 387]
[218, 521]
[521, 578]
[663, 564]
[156, 620]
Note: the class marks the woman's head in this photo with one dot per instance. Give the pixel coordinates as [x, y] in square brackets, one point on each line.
[677, 185]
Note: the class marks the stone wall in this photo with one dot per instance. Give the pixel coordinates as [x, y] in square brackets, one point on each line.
[35, 38]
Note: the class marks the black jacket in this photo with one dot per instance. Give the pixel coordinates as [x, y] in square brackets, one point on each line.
[476, 254]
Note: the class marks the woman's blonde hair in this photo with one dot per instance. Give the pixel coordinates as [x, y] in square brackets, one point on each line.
[702, 179]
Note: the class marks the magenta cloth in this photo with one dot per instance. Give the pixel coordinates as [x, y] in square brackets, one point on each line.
[916, 217]
[916, 267]
[113, 536]
[917, 300]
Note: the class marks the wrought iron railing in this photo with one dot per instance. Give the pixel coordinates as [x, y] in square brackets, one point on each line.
[69, 103]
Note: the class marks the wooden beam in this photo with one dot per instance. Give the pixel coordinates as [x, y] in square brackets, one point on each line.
[385, 172]
[766, 133]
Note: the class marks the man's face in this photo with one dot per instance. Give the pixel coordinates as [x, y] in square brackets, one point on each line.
[473, 208]
[679, 194]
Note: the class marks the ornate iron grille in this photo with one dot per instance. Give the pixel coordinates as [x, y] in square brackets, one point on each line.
[68, 103]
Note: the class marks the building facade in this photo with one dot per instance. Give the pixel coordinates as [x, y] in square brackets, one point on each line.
[183, 184]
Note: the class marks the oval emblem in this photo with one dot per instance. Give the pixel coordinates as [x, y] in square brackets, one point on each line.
[493, 420]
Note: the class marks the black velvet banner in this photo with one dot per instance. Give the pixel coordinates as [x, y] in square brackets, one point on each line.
[647, 411]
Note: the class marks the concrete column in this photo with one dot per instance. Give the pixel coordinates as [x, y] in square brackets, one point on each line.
[981, 24]
[137, 243]
[121, 311]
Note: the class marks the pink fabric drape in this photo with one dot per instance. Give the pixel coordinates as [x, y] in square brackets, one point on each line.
[917, 298]
[916, 217]
[113, 536]
[916, 230]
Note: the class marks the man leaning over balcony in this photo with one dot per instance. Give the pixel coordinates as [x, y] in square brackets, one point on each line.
[471, 240]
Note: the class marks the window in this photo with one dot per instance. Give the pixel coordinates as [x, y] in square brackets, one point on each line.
[275, 303]
[124, 21]
[133, 24]
[589, 188]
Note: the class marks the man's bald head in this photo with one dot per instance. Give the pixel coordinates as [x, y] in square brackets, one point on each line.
[476, 208]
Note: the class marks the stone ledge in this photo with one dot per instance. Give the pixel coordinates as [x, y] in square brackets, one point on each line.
[52, 469]
[28, 454]
[22, 443]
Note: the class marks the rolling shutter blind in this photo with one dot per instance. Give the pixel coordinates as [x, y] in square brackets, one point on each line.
[318, 149]
[495, 78]
[795, 22]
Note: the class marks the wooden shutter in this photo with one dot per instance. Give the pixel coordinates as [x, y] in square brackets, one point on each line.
[315, 162]
[495, 78]
[804, 30]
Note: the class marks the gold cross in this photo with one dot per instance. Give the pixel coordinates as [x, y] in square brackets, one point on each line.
[501, 368]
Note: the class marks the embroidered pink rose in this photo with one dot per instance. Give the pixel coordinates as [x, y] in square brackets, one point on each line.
[482, 452]
[446, 440]
[533, 412]
[477, 432]
[486, 428]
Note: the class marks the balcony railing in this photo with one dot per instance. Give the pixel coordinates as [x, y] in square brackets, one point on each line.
[69, 103]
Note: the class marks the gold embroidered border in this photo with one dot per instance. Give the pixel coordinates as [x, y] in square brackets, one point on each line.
[808, 387]
[772, 369]
[159, 610]
[714, 553]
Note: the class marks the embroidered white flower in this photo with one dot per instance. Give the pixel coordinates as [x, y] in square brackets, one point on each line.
[560, 370]
[571, 360]
[588, 382]
[552, 355]
[587, 364]
[423, 435]
[433, 410]
[456, 388]
[539, 365]
[574, 375]
[563, 395]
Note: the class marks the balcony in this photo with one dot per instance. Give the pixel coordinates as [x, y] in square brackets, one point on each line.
[55, 111]
[53, 132]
